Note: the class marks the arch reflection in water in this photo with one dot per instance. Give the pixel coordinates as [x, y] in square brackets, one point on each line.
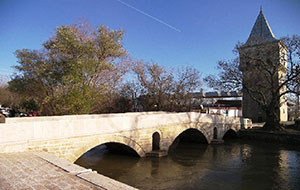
[191, 139]
[117, 156]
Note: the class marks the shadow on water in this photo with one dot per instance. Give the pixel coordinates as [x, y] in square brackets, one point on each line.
[120, 159]
[193, 164]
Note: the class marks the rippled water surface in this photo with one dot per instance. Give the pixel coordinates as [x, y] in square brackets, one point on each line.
[233, 165]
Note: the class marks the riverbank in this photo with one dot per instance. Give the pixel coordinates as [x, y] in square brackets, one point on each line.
[288, 136]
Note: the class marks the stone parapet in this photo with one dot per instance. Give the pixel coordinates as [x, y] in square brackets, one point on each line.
[57, 127]
[71, 136]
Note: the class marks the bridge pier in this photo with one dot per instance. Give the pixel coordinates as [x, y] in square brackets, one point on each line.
[157, 153]
[217, 141]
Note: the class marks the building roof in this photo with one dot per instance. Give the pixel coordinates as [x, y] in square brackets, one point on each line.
[229, 103]
[217, 94]
[261, 31]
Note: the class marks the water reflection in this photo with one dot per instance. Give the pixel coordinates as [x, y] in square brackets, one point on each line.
[289, 167]
[233, 165]
[246, 153]
[183, 157]
[154, 167]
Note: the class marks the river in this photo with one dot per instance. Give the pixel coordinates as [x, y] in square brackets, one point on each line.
[236, 164]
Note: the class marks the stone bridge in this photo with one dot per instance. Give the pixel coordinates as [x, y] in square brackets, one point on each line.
[71, 136]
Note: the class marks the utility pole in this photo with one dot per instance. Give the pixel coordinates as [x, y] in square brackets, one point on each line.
[298, 94]
[297, 103]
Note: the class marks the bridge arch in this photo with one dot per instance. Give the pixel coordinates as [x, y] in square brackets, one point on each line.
[230, 133]
[194, 134]
[108, 139]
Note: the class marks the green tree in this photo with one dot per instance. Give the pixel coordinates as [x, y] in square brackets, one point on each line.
[75, 70]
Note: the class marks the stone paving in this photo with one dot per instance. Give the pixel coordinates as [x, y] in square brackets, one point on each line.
[28, 171]
[42, 171]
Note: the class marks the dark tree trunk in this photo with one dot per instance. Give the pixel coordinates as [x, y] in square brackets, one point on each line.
[273, 119]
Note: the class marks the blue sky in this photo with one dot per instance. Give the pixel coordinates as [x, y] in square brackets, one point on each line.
[172, 33]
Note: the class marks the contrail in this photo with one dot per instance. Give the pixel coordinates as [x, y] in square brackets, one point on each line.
[150, 16]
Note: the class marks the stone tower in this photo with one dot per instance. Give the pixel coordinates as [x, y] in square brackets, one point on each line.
[262, 50]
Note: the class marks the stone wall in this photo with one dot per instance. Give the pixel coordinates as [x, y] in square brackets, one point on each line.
[271, 54]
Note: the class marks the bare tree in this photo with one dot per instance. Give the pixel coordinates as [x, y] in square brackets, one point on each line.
[162, 91]
[263, 77]
[8, 98]
[187, 82]
[157, 85]
[229, 77]
[293, 56]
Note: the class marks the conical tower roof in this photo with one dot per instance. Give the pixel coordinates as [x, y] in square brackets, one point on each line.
[261, 31]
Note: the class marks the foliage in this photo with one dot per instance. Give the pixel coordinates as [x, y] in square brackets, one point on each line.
[30, 105]
[74, 71]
